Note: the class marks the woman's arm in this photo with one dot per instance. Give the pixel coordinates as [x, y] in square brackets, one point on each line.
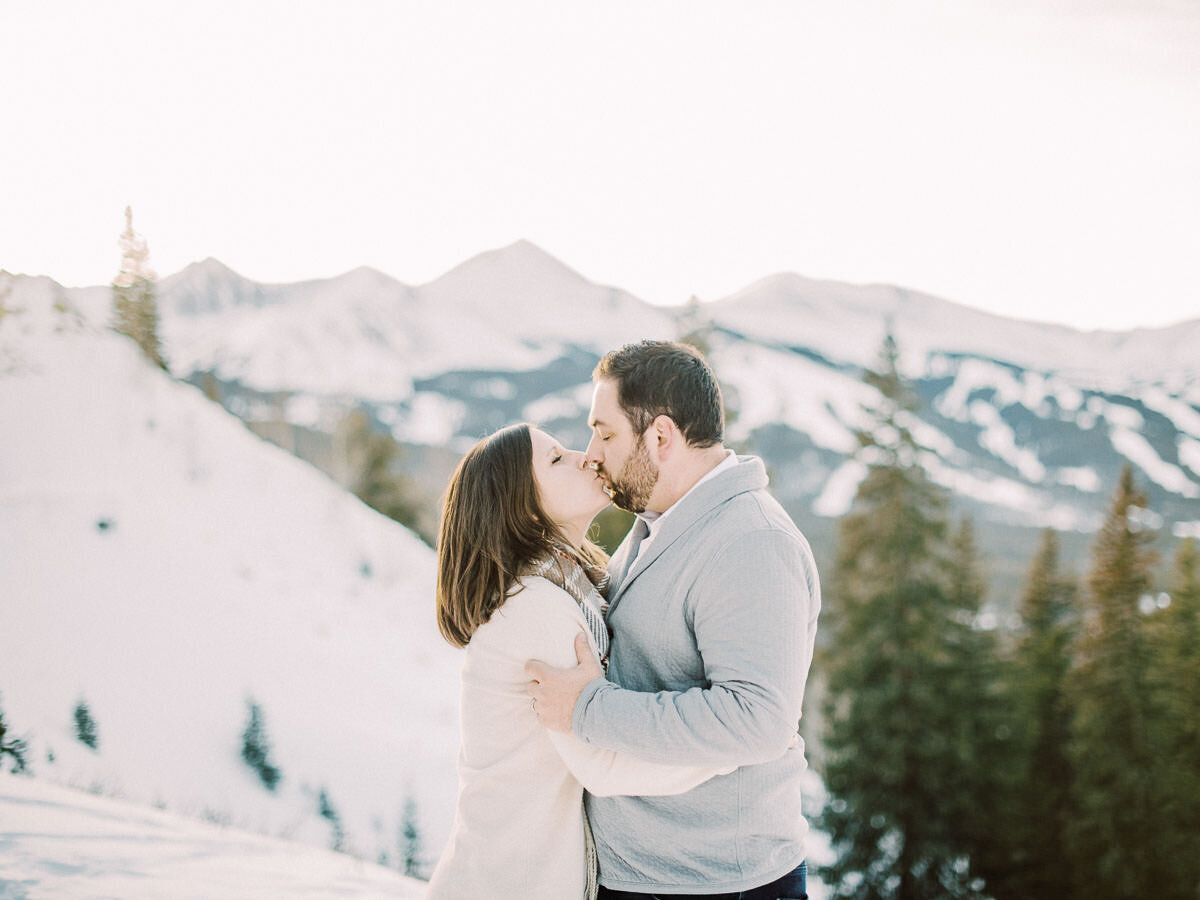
[610, 773]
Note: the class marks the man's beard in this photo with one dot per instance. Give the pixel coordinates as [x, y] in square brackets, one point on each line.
[631, 489]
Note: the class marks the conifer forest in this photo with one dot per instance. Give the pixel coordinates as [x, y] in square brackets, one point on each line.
[1055, 755]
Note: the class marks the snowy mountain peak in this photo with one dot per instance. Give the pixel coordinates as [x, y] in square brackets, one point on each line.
[369, 273]
[784, 283]
[790, 293]
[364, 281]
[208, 268]
[209, 286]
[519, 263]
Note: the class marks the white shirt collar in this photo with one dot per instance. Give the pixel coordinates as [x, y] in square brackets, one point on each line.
[653, 520]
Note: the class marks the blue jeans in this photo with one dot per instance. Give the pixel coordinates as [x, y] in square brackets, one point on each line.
[792, 886]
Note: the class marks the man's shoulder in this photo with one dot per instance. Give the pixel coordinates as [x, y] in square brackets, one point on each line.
[753, 526]
[752, 510]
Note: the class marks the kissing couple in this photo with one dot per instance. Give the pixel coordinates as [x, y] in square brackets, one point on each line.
[629, 725]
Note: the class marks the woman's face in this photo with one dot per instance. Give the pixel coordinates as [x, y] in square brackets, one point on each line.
[571, 492]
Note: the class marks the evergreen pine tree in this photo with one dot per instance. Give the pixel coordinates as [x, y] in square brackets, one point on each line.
[13, 748]
[903, 708]
[328, 813]
[85, 725]
[1114, 835]
[370, 459]
[135, 309]
[1175, 687]
[975, 718]
[1039, 793]
[411, 832]
[256, 750]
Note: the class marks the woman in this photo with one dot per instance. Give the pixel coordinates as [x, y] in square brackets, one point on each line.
[518, 579]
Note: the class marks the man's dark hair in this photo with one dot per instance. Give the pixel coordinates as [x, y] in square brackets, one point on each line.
[663, 378]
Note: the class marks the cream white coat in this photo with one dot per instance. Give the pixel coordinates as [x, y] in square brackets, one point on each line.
[518, 830]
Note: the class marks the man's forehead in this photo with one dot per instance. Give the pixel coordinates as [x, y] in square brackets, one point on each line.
[605, 409]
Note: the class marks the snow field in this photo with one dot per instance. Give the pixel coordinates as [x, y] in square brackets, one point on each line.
[168, 566]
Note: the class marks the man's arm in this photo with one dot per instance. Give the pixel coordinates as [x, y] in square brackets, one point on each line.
[754, 623]
[610, 773]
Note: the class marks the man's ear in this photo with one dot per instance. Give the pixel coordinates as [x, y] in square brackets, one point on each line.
[665, 436]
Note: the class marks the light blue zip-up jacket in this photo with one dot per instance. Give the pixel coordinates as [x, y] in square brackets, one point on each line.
[713, 631]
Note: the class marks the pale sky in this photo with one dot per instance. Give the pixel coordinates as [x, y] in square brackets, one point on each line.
[1039, 159]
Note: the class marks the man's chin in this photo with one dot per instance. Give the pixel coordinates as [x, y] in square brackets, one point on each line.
[621, 502]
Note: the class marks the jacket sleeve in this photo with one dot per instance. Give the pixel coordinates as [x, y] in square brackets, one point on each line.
[611, 773]
[754, 621]
[543, 624]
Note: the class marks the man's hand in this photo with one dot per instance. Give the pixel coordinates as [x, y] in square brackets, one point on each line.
[554, 690]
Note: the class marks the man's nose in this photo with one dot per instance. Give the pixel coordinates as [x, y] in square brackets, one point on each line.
[592, 452]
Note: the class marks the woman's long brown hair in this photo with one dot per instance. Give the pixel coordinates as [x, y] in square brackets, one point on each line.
[493, 527]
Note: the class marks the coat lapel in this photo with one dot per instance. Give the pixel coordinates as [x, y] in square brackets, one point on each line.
[618, 566]
[750, 475]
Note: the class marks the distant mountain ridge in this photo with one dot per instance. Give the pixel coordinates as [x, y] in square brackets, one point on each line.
[843, 320]
[1027, 423]
[516, 288]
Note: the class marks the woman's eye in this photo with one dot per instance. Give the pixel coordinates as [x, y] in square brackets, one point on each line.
[556, 459]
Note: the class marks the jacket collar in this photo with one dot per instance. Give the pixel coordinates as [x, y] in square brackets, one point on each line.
[748, 475]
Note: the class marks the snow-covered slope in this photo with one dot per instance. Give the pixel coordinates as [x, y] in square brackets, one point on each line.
[345, 335]
[75, 845]
[166, 566]
[1027, 420]
[844, 322]
[70, 844]
[1028, 447]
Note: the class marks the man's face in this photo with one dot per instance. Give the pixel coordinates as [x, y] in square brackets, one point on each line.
[620, 456]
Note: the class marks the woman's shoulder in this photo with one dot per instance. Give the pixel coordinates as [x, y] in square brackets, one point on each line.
[535, 595]
[537, 610]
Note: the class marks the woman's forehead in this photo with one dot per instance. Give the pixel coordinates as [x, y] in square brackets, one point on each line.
[542, 442]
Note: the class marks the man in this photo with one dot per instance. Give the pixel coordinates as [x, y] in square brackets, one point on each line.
[713, 610]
